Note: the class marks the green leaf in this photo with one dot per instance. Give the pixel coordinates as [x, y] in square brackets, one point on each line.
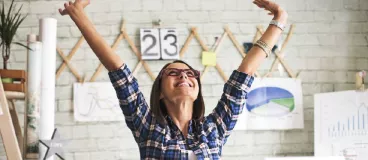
[17, 43]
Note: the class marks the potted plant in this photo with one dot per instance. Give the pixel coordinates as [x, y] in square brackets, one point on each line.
[10, 20]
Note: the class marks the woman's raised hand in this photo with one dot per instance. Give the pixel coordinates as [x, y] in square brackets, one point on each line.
[273, 8]
[71, 7]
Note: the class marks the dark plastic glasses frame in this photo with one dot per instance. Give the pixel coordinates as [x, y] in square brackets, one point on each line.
[197, 73]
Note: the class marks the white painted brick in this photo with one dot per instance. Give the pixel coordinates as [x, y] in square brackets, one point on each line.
[230, 5]
[236, 150]
[152, 5]
[358, 51]
[264, 149]
[308, 102]
[194, 16]
[318, 51]
[361, 63]
[207, 90]
[267, 137]
[296, 5]
[61, 20]
[193, 5]
[64, 118]
[351, 39]
[17, 66]
[166, 17]
[327, 39]
[363, 5]
[174, 5]
[353, 16]
[65, 106]
[312, 28]
[19, 56]
[125, 5]
[347, 27]
[94, 131]
[80, 132]
[350, 77]
[325, 76]
[309, 126]
[107, 18]
[66, 132]
[303, 17]
[103, 30]
[343, 87]
[213, 5]
[47, 7]
[81, 155]
[75, 32]
[248, 28]
[82, 145]
[130, 154]
[327, 64]
[22, 33]
[324, 6]
[351, 4]
[109, 144]
[288, 137]
[247, 6]
[309, 114]
[97, 6]
[343, 63]
[106, 155]
[304, 39]
[247, 138]
[310, 89]
[137, 17]
[234, 16]
[341, 77]
[313, 63]
[308, 76]
[63, 32]
[217, 90]
[323, 16]
[212, 28]
[326, 88]
[64, 78]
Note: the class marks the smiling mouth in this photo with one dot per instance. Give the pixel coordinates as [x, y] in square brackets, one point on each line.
[184, 84]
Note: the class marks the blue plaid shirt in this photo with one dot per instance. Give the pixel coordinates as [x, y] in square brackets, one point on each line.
[205, 138]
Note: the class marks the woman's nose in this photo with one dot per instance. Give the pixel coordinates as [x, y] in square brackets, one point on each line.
[183, 75]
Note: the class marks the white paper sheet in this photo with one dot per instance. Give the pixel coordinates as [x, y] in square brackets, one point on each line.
[96, 101]
[341, 124]
[33, 95]
[273, 104]
[47, 35]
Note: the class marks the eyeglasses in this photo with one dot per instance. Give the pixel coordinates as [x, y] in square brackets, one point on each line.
[176, 72]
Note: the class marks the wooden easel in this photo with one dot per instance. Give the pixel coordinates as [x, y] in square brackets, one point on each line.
[12, 147]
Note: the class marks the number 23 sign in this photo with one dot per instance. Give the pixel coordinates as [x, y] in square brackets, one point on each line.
[159, 44]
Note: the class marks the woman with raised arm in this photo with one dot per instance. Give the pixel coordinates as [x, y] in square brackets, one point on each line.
[174, 125]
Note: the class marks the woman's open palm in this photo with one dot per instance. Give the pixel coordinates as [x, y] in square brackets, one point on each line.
[70, 6]
[268, 5]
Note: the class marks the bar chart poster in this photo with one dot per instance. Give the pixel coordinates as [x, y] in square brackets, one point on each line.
[273, 104]
[341, 124]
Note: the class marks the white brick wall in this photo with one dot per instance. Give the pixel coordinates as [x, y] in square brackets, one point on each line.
[328, 46]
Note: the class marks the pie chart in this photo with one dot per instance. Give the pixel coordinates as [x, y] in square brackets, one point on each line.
[270, 102]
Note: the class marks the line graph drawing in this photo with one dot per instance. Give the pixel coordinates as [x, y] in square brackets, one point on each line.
[96, 101]
[341, 124]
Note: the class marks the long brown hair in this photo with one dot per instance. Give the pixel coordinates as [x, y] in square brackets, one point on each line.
[158, 106]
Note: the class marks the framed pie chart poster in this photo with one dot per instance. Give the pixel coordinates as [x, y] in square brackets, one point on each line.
[273, 104]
